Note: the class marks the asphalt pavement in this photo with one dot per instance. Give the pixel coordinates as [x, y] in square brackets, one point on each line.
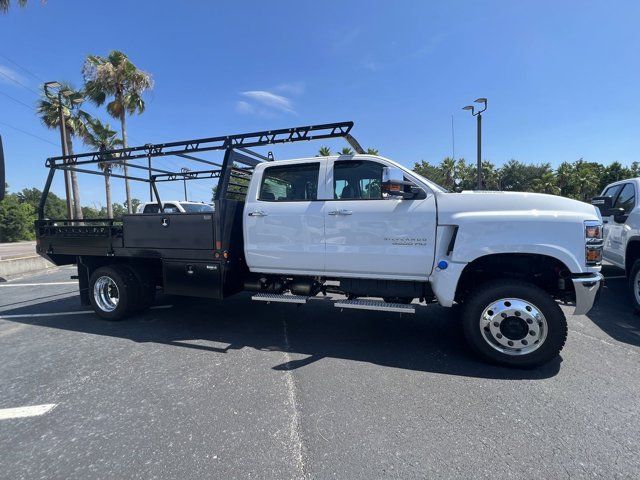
[238, 389]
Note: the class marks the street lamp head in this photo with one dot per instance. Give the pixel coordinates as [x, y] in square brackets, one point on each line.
[77, 100]
[481, 100]
[66, 92]
[52, 85]
[468, 107]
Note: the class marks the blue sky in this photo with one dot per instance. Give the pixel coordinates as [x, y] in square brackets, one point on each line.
[562, 78]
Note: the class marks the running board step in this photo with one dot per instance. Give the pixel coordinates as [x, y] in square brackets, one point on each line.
[275, 297]
[375, 305]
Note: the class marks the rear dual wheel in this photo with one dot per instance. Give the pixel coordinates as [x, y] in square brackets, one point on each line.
[513, 323]
[117, 291]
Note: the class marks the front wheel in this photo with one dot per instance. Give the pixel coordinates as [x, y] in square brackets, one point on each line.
[514, 323]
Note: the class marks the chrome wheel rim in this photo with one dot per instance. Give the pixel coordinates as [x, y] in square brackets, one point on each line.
[106, 294]
[513, 326]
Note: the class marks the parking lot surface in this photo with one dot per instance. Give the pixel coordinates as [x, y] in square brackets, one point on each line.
[237, 389]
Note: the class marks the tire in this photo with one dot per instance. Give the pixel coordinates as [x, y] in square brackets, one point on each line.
[634, 285]
[114, 292]
[514, 324]
[146, 285]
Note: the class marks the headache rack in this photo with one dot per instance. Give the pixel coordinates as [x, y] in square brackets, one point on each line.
[232, 180]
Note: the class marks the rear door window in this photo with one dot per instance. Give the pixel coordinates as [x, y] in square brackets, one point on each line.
[290, 183]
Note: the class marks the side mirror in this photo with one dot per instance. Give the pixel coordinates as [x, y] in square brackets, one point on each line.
[604, 204]
[619, 215]
[392, 175]
[2, 185]
[393, 183]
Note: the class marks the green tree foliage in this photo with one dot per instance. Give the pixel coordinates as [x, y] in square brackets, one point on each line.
[580, 180]
[16, 220]
[54, 208]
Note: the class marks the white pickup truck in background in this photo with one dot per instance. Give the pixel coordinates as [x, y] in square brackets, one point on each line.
[618, 205]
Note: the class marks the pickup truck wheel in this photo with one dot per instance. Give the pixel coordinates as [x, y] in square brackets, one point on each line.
[513, 323]
[114, 292]
[634, 285]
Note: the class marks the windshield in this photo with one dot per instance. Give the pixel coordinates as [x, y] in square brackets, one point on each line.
[433, 185]
[196, 207]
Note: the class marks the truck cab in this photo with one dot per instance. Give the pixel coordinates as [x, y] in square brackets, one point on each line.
[332, 216]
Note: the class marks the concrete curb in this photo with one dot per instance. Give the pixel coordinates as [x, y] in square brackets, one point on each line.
[17, 266]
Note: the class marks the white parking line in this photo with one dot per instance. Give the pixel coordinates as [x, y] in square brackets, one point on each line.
[22, 412]
[57, 314]
[36, 284]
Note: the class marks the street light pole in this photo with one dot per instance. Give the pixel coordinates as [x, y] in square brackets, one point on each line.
[479, 135]
[478, 114]
[63, 143]
[185, 171]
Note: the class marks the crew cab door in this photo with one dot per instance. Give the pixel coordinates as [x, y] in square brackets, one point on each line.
[373, 235]
[283, 220]
[615, 231]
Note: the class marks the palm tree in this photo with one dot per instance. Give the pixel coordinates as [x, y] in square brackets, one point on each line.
[372, 151]
[100, 136]
[116, 76]
[448, 167]
[4, 5]
[324, 152]
[547, 183]
[345, 151]
[48, 111]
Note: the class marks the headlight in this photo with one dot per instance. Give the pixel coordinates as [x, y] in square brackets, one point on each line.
[594, 242]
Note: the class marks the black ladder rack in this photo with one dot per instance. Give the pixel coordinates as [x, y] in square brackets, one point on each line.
[236, 148]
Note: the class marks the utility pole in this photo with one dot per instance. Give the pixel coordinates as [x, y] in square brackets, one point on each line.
[63, 143]
[478, 115]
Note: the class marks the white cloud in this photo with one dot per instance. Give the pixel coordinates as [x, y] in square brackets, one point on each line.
[10, 76]
[270, 103]
[294, 88]
[244, 107]
[270, 100]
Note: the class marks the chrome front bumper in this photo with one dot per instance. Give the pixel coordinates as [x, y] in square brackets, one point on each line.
[586, 292]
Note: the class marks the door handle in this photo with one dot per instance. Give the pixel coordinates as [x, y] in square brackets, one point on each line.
[257, 213]
[340, 212]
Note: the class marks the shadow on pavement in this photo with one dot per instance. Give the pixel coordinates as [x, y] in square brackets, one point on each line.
[613, 313]
[430, 341]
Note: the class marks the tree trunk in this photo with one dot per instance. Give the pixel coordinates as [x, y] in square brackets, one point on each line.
[107, 188]
[123, 125]
[77, 207]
